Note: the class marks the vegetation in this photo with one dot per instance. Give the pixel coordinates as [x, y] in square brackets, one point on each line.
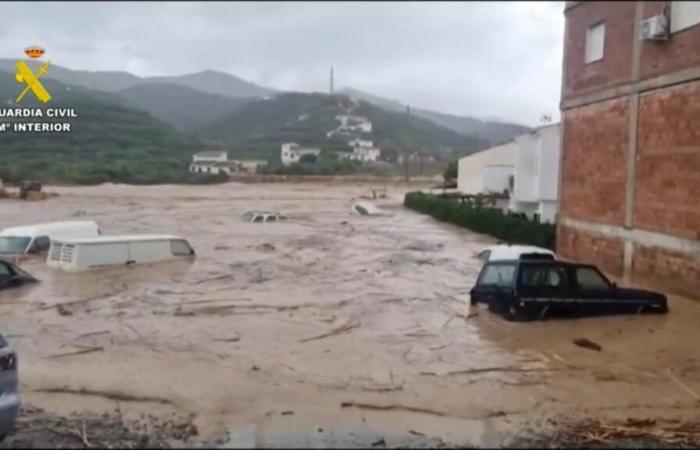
[325, 167]
[108, 142]
[258, 127]
[451, 172]
[512, 229]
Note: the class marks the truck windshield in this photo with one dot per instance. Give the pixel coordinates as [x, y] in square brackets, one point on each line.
[13, 244]
[497, 275]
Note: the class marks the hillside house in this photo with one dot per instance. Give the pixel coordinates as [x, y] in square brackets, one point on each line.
[536, 179]
[213, 162]
[630, 163]
[292, 152]
[349, 124]
[216, 162]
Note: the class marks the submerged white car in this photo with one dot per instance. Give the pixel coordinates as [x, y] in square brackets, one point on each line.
[36, 239]
[263, 216]
[514, 252]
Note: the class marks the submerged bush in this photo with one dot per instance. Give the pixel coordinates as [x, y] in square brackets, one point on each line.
[512, 229]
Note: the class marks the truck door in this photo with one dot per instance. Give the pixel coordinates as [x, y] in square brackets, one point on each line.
[494, 284]
[543, 288]
[594, 291]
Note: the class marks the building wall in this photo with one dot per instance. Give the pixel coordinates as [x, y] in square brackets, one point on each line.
[526, 169]
[549, 146]
[469, 177]
[630, 175]
[593, 162]
[496, 179]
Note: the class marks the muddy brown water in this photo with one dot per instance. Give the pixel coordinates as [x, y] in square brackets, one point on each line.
[244, 335]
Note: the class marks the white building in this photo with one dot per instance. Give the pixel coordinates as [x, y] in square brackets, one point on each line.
[216, 162]
[213, 162]
[537, 174]
[292, 152]
[362, 150]
[352, 123]
[488, 171]
[210, 157]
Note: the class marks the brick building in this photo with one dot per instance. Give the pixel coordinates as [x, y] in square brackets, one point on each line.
[630, 168]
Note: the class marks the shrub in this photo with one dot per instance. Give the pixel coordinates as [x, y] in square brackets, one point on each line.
[512, 229]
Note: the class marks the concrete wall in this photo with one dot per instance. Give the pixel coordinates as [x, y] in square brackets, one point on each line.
[469, 179]
[630, 163]
[496, 178]
[537, 173]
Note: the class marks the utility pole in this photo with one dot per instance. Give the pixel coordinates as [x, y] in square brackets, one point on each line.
[331, 81]
[405, 151]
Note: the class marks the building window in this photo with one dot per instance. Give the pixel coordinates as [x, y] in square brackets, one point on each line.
[684, 15]
[595, 42]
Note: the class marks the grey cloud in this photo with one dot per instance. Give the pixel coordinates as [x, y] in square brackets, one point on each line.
[482, 59]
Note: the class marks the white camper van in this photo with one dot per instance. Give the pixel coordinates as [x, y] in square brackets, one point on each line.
[74, 255]
[37, 238]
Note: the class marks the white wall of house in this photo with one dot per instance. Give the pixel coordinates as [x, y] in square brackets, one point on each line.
[291, 152]
[471, 177]
[496, 178]
[210, 157]
[537, 173]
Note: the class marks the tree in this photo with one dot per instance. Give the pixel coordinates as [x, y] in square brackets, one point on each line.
[308, 158]
[451, 171]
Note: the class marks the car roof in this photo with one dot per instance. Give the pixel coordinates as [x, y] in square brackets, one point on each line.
[39, 228]
[118, 238]
[539, 262]
[505, 252]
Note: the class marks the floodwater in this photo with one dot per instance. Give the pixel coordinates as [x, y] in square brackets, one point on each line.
[324, 327]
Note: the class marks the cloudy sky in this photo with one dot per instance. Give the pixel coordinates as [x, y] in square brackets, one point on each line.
[490, 60]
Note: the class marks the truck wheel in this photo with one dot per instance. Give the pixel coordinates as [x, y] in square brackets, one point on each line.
[513, 312]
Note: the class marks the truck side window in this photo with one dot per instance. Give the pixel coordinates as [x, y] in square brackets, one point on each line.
[590, 279]
[544, 276]
[40, 244]
[497, 275]
[180, 248]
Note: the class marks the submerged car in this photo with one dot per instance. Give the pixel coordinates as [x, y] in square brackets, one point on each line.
[79, 254]
[36, 239]
[9, 393]
[12, 276]
[263, 216]
[531, 289]
[506, 251]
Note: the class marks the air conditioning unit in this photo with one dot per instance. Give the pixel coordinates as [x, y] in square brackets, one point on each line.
[654, 28]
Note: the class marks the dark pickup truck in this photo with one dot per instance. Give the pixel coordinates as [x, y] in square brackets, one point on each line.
[12, 276]
[531, 289]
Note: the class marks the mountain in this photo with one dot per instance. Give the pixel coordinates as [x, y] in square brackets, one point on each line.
[210, 81]
[218, 83]
[108, 141]
[185, 108]
[101, 81]
[260, 126]
[493, 131]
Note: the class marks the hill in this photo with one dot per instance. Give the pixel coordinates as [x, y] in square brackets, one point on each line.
[258, 127]
[218, 83]
[492, 131]
[184, 108]
[209, 81]
[109, 141]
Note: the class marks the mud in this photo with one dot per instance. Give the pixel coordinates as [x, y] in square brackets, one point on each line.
[329, 321]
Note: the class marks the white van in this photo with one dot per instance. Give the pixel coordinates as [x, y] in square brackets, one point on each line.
[74, 255]
[32, 239]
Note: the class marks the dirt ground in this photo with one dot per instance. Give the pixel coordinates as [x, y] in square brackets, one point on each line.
[329, 329]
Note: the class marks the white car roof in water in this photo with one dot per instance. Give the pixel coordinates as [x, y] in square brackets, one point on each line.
[48, 228]
[119, 238]
[504, 251]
